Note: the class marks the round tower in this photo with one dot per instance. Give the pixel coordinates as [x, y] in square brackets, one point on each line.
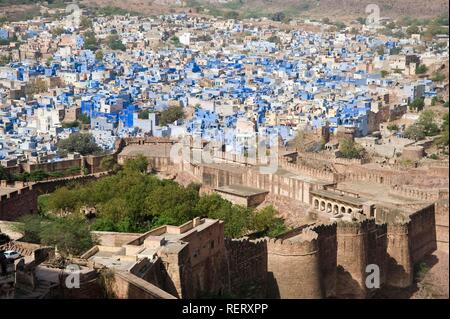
[293, 265]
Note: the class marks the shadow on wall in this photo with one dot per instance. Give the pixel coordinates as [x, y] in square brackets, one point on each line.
[167, 283]
[273, 292]
[347, 286]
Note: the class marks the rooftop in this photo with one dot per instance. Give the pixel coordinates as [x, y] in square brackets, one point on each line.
[240, 190]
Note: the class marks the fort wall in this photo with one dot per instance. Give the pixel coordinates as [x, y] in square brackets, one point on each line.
[18, 202]
[247, 267]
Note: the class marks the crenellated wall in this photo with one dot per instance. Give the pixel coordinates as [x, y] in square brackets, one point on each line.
[409, 242]
[247, 267]
[18, 201]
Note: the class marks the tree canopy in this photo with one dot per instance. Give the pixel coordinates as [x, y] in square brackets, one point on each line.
[131, 201]
[83, 143]
[71, 235]
[425, 126]
[349, 149]
[171, 114]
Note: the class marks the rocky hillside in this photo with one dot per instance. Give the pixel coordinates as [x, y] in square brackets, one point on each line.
[312, 8]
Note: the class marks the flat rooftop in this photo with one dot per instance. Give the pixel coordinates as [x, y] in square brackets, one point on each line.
[114, 262]
[6, 190]
[286, 173]
[148, 150]
[382, 195]
[241, 190]
[340, 197]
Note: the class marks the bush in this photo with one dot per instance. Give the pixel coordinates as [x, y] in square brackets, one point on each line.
[393, 127]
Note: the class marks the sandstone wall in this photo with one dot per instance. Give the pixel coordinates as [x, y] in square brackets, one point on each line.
[422, 233]
[247, 267]
[128, 286]
[442, 218]
[17, 203]
[114, 239]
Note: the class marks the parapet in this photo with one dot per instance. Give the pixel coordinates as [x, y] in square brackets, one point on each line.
[355, 228]
[303, 244]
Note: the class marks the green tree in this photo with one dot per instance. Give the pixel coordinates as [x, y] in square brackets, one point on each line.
[349, 149]
[99, 55]
[442, 140]
[108, 163]
[83, 143]
[171, 114]
[115, 43]
[278, 16]
[85, 23]
[134, 202]
[38, 175]
[427, 122]
[71, 235]
[138, 164]
[30, 226]
[267, 222]
[5, 59]
[5, 174]
[144, 114]
[57, 31]
[231, 15]
[361, 20]
[421, 69]
[84, 118]
[415, 132]
[414, 29]
[438, 77]
[90, 41]
[393, 127]
[175, 41]
[417, 104]
[65, 200]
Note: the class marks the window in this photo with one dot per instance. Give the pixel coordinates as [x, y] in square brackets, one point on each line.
[212, 244]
